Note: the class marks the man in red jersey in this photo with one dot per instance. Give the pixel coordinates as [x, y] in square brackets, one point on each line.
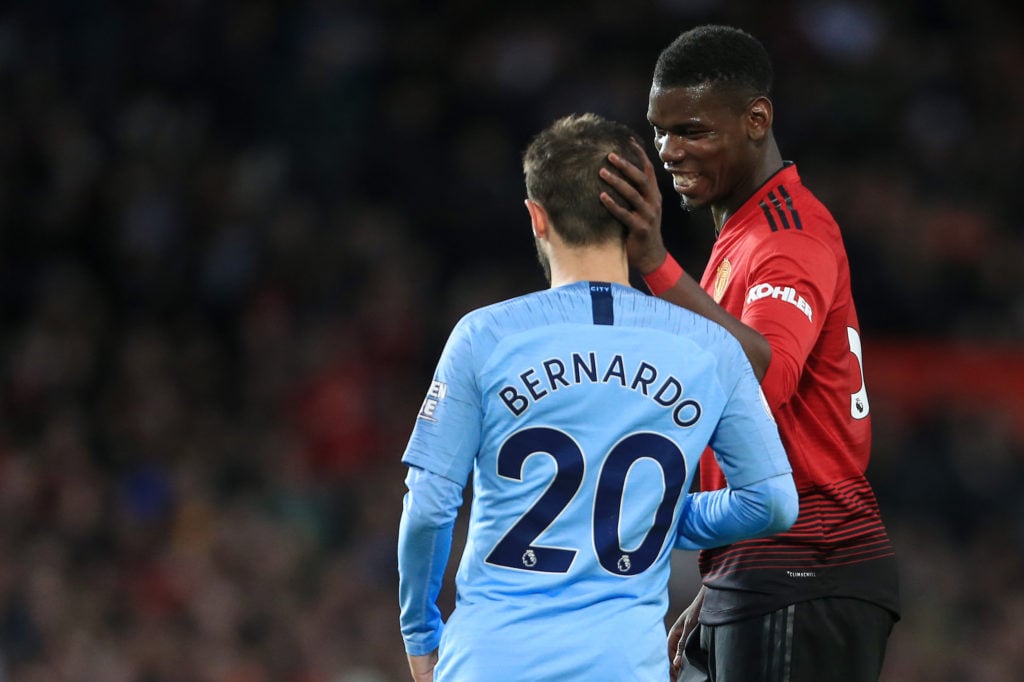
[817, 602]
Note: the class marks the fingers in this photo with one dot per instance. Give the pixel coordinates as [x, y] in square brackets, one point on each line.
[648, 166]
[636, 186]
[674, 635]
[634, 199]
[675, 639]
[631, 191]
[626, 167]
[677, 660]
[621, 213]
[676, 657]
[640, 177]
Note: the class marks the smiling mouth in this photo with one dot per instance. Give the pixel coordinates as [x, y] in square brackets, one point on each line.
[685, 182]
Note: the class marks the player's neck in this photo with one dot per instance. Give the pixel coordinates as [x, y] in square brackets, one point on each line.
[769, 164]
[601, 263]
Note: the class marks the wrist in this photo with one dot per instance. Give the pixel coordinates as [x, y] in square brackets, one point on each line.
[664, 277]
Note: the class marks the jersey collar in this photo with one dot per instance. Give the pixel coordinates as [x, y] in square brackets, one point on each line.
[786, 175]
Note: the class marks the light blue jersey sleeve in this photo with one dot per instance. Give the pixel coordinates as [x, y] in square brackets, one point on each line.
[721, 517]
[440, 455]
[446, 436]
[761, 497]
[424, 544]
[581, 413]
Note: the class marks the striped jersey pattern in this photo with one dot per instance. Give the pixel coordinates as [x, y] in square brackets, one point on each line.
[780, 266]
[837, 525]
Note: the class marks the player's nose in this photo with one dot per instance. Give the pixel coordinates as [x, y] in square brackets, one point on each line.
[671, 149]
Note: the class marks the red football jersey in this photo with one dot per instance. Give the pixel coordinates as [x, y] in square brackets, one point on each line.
[780, 266]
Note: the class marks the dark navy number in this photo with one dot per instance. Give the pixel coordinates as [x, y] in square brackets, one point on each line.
[608, 501]
[516, 549]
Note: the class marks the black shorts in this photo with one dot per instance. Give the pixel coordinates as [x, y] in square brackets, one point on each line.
[834, 639]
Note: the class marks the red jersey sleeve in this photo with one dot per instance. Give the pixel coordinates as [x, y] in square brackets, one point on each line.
[789, 291]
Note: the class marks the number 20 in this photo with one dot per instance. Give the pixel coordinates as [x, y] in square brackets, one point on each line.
[516, 548]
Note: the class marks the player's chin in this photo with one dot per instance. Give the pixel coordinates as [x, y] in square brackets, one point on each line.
[691, 202]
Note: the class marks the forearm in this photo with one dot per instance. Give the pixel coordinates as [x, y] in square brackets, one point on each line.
[721, 517]
[424, 543]
[687, 293]
[684, 291]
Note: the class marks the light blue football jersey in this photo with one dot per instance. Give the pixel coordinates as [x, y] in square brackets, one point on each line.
[582, 412]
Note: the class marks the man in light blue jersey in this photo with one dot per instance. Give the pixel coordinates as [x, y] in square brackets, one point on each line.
[582, 412]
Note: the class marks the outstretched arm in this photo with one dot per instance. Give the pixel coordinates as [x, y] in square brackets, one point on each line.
[647, 253]
[761, 497]
[721, 517]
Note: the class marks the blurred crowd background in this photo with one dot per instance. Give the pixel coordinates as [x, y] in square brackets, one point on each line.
[234, 236]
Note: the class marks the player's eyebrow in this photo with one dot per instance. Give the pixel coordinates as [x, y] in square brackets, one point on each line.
[680, 127]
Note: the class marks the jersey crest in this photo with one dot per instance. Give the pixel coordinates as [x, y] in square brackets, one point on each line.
[722, 279]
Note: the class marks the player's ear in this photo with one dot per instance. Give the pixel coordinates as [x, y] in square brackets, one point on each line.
[539, 219]
[759, 118]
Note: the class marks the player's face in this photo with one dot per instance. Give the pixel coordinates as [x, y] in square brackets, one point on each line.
[702, 140]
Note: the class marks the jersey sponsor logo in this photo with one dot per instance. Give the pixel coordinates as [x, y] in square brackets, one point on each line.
[438, 390]
[583, 368]
[787, 294]
[722, 279]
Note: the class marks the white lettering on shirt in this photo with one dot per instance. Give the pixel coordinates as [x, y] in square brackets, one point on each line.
[787, 294]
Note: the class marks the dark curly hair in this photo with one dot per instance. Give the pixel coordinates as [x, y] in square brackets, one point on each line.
[721, 56]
